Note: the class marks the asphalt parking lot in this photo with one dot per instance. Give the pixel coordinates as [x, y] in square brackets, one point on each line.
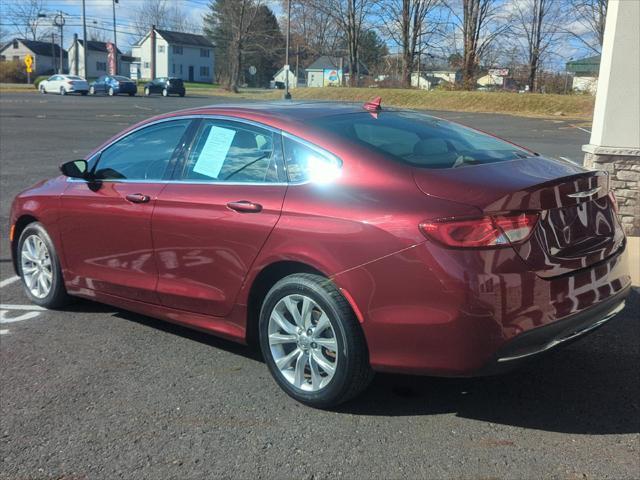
[95, 392]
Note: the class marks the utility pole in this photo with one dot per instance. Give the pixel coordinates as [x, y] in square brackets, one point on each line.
[84, 40]
[115, 41]
[287, 95]
[58, 21]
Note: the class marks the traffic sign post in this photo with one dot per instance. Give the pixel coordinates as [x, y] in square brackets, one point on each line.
[28, 62]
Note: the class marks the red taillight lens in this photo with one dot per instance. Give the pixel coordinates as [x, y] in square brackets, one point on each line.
[493, 231]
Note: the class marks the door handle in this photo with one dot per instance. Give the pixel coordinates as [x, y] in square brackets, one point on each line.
[245, 206]
[138, 198]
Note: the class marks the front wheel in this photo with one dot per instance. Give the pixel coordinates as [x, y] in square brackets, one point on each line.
[147, 92]
[132, 94]
[111, 92]
[63, 91]
[312, 342]
[165, 93]
[84, 94]
[92, 91]
[43, 90]
[39, 268]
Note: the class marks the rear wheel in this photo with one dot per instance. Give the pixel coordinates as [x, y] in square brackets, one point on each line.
[62, 91]
[111, 92]
[312, 342]
[84, 94]
[165, 92]
[132, 94]
[182, 94]
[147, 92]
[39, 268]
[92, 90]
[43, 90]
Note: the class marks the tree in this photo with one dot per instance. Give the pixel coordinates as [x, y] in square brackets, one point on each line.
[588, 27]
[312, 31]
[164, 14]
[405, 22]
[349, 16]
[23, 17]
[98, 35]
[538, 24]
[373, 50]
[481, 22]
[265, 47]
[232, 26]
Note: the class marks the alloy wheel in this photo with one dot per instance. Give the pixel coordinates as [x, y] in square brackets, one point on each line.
[36, 266]
[303, 343]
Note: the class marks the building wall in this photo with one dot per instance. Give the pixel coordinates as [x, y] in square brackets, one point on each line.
[42, 64]
[281, 77]
[585, 84]
[172, 64]
[93, 58]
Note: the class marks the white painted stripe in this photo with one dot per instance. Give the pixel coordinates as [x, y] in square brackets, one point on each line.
[580, 128]
[9, 281]
[19, 318]
[4, 332]
[8, 306]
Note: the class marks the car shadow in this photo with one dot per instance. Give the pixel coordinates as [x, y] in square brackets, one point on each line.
[589, 387]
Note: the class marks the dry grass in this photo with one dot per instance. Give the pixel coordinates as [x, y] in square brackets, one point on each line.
[541, 105]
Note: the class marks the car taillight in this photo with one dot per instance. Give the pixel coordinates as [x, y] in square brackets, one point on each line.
[482, 232]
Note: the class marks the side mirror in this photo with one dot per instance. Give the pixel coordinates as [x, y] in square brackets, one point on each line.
[75, 169]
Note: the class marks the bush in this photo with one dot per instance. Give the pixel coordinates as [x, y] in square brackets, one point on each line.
[13, 72]
[36, 82]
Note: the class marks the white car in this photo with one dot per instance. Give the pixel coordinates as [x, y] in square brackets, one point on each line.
[64, 84]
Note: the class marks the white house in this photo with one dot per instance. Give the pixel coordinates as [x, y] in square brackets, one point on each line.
[329, 71]
[46, 56]
[585, 74]
[281, 77]
[97, 59]
[183, 55]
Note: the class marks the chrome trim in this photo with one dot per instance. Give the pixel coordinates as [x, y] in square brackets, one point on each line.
[585, 194]
[555, 342]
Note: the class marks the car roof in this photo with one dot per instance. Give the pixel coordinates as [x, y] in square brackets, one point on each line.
[289, 111]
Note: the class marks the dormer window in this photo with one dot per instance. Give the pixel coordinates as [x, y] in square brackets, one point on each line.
[15, 44]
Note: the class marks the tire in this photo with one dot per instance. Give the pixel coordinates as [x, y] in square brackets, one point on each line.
[35, 235]
[132, 94]
[63, 92]
[316, 387]
[43, 90]
[182, 94]
[165, 93]
[111, 92]
[92, 90]
[84, 94]
[147, 92]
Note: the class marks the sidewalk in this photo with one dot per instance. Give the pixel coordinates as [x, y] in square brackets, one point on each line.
[633, 258]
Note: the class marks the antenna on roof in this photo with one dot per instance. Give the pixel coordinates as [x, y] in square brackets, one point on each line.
[374, 105]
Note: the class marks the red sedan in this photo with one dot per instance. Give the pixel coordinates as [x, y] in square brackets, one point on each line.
[344, 240]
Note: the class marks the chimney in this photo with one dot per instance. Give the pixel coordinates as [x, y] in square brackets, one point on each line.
[153, 52]
[75, 54]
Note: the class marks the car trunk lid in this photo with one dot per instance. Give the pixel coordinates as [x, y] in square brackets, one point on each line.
[576, 227]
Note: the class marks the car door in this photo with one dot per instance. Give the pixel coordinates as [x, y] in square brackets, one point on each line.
[98, 85]
[53, 84]
[210, 224]
[155, 85]
[106, 223]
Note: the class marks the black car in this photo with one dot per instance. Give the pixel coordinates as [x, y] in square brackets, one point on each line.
[166, 86]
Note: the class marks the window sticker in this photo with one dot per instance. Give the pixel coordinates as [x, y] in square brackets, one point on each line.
[214, 151]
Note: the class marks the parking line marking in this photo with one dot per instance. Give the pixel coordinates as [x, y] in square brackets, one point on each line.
[19, 318]
[580, 128]
[7, 306]
[4, 332]
[9, 281]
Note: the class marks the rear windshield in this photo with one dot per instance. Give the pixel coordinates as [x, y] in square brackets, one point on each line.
[420, 140]
[177, 81]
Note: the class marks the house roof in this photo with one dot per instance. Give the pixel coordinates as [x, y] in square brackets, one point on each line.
[327, 62]
[182, 38]
[584, 65]
[97, 46]
[37, 47]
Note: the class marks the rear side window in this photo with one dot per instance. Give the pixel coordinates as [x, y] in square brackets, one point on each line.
[420, 140]
[308, 163]
[143, 155]
[226, 151]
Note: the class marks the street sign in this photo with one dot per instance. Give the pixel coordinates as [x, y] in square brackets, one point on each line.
[28, 61]
[499, 72]
[252, 70]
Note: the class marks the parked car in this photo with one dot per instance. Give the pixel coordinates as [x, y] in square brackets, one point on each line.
[113, 85]
[166, 86]
[343, 240]
[64, 84]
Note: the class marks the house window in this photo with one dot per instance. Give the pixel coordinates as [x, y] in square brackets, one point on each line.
[160, 48]
[15, 44]
[177, 50]
[204, 52]
[146, 64]
[180, 68]
[204, 71]
[16, 58]
[101, 66]
[173, 68]
[2, 58]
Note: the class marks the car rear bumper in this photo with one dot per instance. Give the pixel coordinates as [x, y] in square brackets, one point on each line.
[429, 310]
